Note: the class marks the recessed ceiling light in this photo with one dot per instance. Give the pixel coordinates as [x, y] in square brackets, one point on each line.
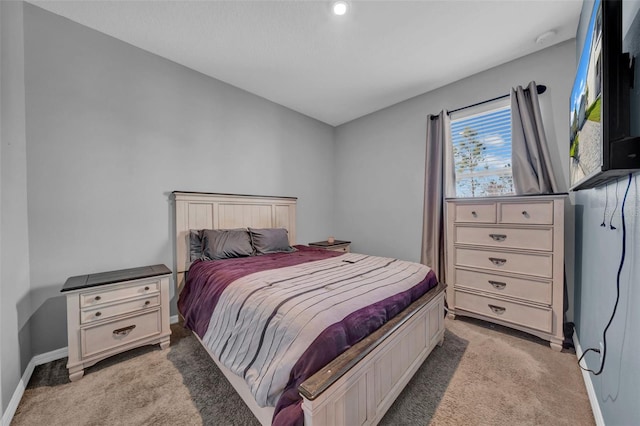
[340, 8]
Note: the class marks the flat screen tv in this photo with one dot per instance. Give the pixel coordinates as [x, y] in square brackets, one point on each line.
[601, 146]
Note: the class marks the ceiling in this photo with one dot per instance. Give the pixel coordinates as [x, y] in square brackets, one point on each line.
[332, 68]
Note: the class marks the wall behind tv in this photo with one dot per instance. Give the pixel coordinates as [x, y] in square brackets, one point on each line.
[598, 252]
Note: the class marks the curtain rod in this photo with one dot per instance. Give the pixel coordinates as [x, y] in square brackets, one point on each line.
[541, 89]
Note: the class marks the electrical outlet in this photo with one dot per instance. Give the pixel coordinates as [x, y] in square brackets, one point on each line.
[601, 351]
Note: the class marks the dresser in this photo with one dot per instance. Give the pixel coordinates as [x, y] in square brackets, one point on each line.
[336, 245]
[505, 262]
[111, 312]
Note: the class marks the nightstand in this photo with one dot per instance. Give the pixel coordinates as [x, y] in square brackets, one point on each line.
[112, 312]
[337, 245]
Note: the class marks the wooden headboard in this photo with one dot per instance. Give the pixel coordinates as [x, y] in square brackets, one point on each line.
[200, 210]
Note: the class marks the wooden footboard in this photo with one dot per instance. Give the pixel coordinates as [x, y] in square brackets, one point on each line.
[359, 386]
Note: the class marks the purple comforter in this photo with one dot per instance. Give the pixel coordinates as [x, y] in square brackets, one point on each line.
[207, 281]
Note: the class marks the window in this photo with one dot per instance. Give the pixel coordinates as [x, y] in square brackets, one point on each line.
[482, 151]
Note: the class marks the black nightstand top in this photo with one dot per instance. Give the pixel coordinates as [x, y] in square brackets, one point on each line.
[325, 244]
[102, 278]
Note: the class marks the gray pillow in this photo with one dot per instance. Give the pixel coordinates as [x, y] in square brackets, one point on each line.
[270, 240]
[225, 243]
[195, 244]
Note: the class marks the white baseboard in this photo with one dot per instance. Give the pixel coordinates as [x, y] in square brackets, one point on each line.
[591, 391]
[8, 414]
[51, 356]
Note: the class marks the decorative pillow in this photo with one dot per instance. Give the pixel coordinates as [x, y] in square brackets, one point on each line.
[225, 243]
[270, 240]
[195, 244]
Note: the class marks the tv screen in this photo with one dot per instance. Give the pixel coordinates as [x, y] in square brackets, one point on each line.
[601, 145]
[586, 145]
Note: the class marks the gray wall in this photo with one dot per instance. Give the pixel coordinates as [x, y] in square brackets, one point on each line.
[598, 252]
[380, 158]
[111, 130]
[15, 346]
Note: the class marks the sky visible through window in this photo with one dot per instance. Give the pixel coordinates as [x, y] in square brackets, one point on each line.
[482, 154]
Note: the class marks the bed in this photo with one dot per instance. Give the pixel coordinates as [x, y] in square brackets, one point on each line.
[383, 337]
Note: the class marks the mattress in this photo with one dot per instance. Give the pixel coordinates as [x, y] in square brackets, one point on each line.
[276, 319]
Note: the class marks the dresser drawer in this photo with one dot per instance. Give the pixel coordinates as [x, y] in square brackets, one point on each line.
[540, 265]
[537, 213]
[103, 296]
[516, 313]
[534, 291]
[103, 312]
[475, 213]
[117, 333]
[531, 239]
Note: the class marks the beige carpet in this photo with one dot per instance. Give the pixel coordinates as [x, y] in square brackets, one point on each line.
[482, 375]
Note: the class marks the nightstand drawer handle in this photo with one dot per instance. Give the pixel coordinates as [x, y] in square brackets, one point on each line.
[146, 288]
[498, 237]
[498, 262]
[97, 298]
[98, 313]
[474, 214]
[498, 285]
[525, 214]
[147, 303]
[498, 310]
[124, 330]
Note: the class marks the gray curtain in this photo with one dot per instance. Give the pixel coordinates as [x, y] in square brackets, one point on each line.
[438, 184]
[530, 159]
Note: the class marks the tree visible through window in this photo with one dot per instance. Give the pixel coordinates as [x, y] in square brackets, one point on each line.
[482, 153]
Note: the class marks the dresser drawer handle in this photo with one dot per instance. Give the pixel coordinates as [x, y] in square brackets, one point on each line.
[498, 310]
[498, 237]
[498, 285]
[124, 330]
[98, 313]
[498, 262]
[147, 303]
[146, 288]
[525, 214]
[97, 298]
[474, 214]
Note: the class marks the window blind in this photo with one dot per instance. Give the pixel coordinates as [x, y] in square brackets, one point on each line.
[482, 153]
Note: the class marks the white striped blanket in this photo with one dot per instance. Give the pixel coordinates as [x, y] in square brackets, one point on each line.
[265, 321]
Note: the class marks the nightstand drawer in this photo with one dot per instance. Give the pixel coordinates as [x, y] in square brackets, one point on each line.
[517, 313]
[103, 312]
[530, 239]
[540, 213]
[475, 213]
[530, 290]
[103, 295]
[117, 333]
[335, 245]
[343, 249]
[540, 265]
